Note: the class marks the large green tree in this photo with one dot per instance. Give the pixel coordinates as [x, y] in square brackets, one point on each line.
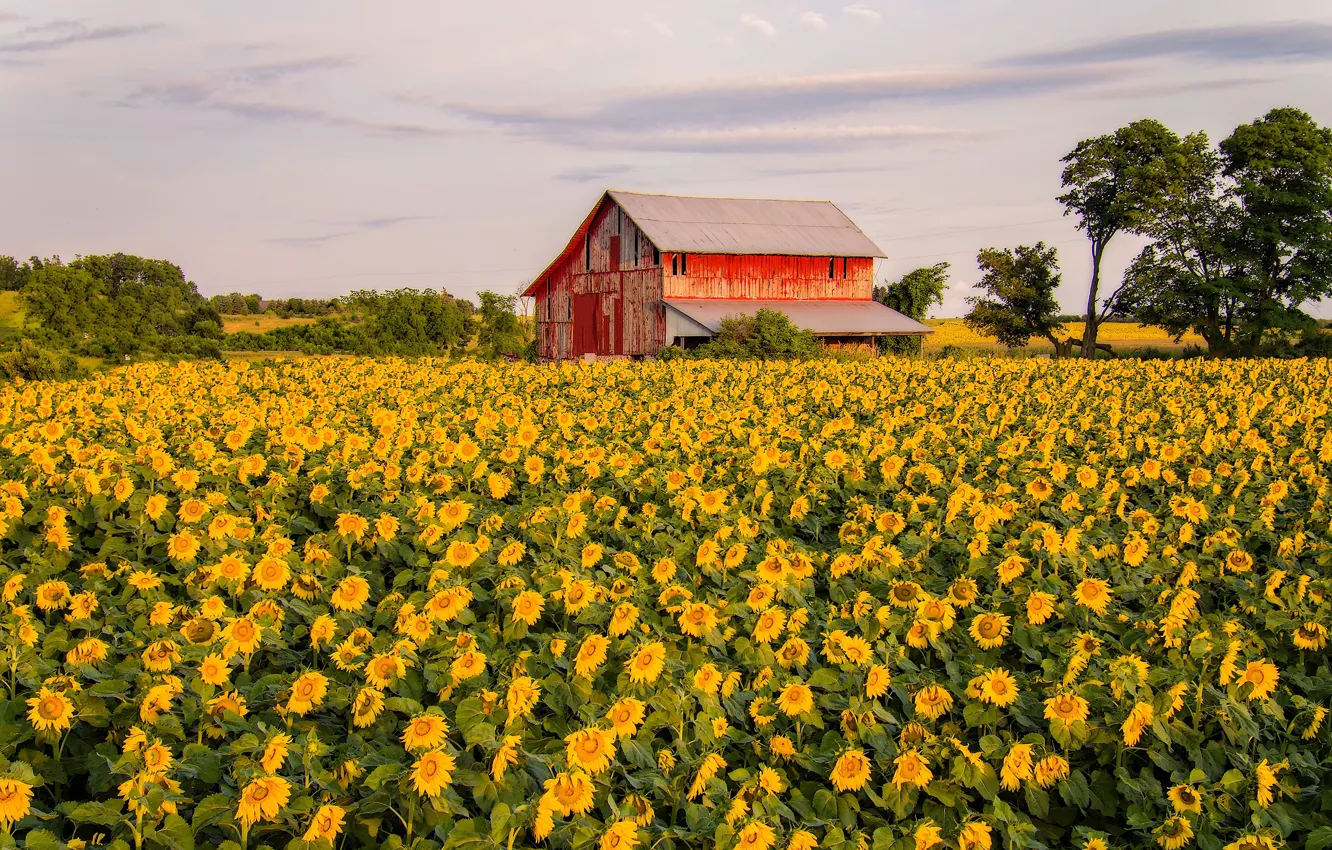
[1281, 166]
[1187, 278]
[1018, 300]
[913, 295]
[1110, 182]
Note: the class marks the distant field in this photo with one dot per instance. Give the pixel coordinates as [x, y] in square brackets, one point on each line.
[11, 313]
[1118, 334]
[260, 324]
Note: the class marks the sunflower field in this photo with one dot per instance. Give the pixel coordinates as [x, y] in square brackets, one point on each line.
[893, 604]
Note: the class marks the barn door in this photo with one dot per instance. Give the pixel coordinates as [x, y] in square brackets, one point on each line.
[609, 310]
[586, 318]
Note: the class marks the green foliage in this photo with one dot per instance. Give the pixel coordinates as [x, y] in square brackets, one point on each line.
[114, 305]
[30, 362]
[913, 296]
[766, 335]
[1019, 301]
[500, 333]
[1111, 183]
[13, 274]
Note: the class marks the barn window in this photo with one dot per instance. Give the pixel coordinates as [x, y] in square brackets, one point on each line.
[638, 251]
[684, 264]
[656, 256]
[587, 251]
[832, 264]
[675, 264]
[844, 262]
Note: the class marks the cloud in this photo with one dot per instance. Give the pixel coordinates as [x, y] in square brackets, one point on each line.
[1291, 41]
[779, 139]
[862, 11]
[266, 73]
[592, 175]
[350, 228]
[58, 34]
[814, 20]
[768, 101]
[1149, 90]
[207, 95]
[661, 27]
[755, 22]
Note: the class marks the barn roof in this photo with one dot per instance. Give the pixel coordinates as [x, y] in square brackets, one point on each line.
[823, 318]
[746, 226]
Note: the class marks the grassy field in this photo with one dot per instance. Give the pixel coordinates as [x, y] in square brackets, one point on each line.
[1118, 334]
[11, 314]
[260, 324]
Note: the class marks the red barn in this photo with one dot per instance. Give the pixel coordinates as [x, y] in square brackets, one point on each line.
[646, 271]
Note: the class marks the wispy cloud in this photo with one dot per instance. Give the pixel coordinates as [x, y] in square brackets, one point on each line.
[814, 20]
[860, 10]
[756, 23]
[347, 228]
[592, 175]
[1150, 90]
[265, 73]
[58, 34]
[1279, 42]
[661, 27]
[210, 96]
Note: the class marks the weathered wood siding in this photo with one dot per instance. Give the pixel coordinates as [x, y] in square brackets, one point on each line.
[614, 274]
[768, 278]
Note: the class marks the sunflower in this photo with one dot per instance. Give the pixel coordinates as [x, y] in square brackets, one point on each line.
[1174, 833]
[522, 696]
[1066, 707]
[625, 716]
[591, 750]
[621, 835]
[1040, 607]
[15, 802]
[769, 625]
[591, 655]
[326, 824]
[796, 699]
[425, 732]
[912, 769]
[1311, 636]
[755, 836]
[1050, 770]
[570, 793]
[307, 692]
[974, 835]
[1093, 594]
[350, 594]
[50, 711]
[877, 681]
[998, 687]
[932, 701]
[989, 630]
[927, 835]
[851, 771]
[432, 773]
[1017, 767]
[1263, 676]
[262, 799]
[1185, 798]
[242, 635]
[647, 663]
[905, 594]
[1139, 718]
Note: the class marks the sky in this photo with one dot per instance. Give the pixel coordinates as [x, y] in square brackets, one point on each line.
[312, 147]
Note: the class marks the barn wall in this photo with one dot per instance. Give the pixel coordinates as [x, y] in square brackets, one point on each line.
[769, 278]
[605, 293]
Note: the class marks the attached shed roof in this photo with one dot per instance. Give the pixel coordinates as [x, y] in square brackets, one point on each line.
[823, 318]
[746, 226]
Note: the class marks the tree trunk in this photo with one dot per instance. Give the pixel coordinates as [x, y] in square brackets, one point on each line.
[1092, 325]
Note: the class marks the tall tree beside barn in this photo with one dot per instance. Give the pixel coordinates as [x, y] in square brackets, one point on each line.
[1018, 300]
[913, 295]
[1111, 183]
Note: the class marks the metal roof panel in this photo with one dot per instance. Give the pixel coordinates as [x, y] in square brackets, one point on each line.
[824, 318]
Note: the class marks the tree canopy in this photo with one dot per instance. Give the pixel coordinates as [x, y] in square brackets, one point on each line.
[913, 295]
[1019, 296]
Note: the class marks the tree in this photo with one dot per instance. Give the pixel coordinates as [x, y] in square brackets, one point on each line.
[1281, 166]
[913, 296]
[13, 274]
[1186, 279]
[1019, 301]
[768, 334]
[1111, 181]
[500, 334]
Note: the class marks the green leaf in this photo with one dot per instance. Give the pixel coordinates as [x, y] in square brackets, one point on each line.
[826, 679]
[377, 777]
[1038, 802]
[212, 810]
[41, 839]
[1319, 838]
[638, 754]
[471, 720]
[175, 834]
